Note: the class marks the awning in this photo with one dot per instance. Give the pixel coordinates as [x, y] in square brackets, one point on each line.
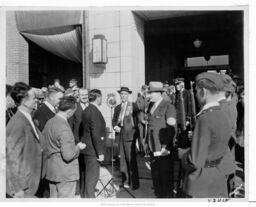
[58, 32]
[66, 45]
[35, 20]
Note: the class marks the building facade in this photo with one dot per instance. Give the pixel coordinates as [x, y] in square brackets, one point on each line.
[142, 46]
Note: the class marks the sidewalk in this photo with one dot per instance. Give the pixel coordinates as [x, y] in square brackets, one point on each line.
[112, 190]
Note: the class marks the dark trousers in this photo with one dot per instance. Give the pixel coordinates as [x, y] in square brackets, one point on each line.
[162, 176]
[80, 188]
[43, 189]
[92, 173]
[128, 163]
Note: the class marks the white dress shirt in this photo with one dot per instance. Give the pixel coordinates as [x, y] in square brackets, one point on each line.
[51, 107]
[29, 118]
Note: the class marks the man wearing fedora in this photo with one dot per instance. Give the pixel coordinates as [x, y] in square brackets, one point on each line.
[125, 124]
[161, 132]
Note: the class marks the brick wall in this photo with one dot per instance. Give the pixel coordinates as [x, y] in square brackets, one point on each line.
[16, 52]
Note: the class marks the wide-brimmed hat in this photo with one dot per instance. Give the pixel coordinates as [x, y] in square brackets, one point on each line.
[126, 89]
[155, 86]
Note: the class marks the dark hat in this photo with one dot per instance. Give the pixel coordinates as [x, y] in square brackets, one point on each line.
[178, 80]
[126, 89]
[213, 77]
[155, 86]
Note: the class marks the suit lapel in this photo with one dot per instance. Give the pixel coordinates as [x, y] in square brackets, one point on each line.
[158, 107]
[28, 125]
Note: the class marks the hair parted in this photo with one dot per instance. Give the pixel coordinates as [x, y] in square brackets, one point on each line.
[67, 102]
[19, 91]
[93, 94]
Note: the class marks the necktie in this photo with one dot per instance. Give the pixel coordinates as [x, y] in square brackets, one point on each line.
[121, 115]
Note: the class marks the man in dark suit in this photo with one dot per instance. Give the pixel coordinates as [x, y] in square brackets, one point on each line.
[23, 149]
[94, 136]
[161, 132]
[125, 124]
[183, 99]
[76, 125]
[62, 164]
[47, 110]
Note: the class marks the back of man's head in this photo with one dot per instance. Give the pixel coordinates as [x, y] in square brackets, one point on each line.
[52, 91]
[66, 103]
[94, 94]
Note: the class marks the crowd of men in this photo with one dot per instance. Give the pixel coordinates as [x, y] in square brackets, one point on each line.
[56, 138]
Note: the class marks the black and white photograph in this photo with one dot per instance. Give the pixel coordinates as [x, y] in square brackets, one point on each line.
[126, 103]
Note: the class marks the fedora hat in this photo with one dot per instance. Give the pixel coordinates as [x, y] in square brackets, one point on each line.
[126, 89]
[155, 86]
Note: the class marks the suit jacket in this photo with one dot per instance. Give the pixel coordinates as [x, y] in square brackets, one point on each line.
[210, 142]
[94, 135]
[76, 123]
[23, 156]
[42, 115]
[62, 163]
[159, 132]
[128, 129]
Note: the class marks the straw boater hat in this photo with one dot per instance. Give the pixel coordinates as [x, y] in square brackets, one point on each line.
[155, 86]
[126, 89]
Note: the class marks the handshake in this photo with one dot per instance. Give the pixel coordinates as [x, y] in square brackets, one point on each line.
[81, 145]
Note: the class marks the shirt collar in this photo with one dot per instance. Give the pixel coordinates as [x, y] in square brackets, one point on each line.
[221, 98]
[83, 105]
[29, 118]
[207, 106]
[25, 113]
[63, 117]
[51, 107]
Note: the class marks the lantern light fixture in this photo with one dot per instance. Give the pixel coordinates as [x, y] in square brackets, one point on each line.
[99, 49]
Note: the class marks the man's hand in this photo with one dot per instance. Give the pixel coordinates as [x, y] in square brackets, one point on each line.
[81, 145]
[19, 194]
[117, 129]
[165, 152]
[101, 158]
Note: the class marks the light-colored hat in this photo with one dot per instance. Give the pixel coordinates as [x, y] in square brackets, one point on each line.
[215, 78]
[155, 86]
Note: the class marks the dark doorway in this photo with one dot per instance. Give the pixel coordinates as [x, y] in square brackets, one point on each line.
[44, 67]
[169, 41]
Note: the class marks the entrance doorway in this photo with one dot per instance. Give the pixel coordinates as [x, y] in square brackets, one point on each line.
[170, 41]
[44, 67]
